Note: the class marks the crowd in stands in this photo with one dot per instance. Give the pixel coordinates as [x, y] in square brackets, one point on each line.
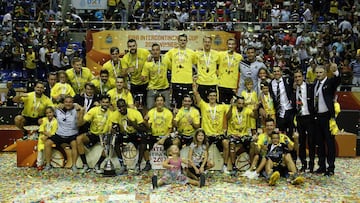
[42, 44]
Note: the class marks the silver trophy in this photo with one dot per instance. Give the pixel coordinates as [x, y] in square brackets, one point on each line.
[108, 142]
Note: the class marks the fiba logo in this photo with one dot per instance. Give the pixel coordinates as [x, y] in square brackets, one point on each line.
[217, 40]
[109, 39]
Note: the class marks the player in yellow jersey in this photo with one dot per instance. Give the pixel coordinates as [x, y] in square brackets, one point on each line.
[228, 73]
[78, 75]
[263, 140]
[239, 129]
[187, 120]
[156, 72]
[133, 63]
[180, 61]
[207, 65]
[131, 128]
[213, 117]
[113, 66]
[104, 83]
[34, 107]
[159, 120]
[121, 92]
[98, 118]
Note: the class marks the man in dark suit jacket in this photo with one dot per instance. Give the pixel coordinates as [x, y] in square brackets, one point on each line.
[324, 95]
[283, 101]
[52, 79]
[87, 100]
[304, 100]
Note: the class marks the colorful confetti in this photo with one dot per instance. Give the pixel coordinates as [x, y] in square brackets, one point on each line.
[62, 185]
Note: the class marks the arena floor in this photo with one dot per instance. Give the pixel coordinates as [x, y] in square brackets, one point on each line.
[61, 185]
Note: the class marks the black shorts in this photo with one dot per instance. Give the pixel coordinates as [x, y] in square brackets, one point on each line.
[84, 128]
[150, 140]
[225, 95]
[93, 139]
[244, 140]
[58, 140]
[217, 140]
[31, 121]
[186, 139]
[135, 138]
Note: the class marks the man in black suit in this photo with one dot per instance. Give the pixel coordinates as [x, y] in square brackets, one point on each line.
[324, 94]
[304, 98]
[52, 79]
[87, 100]
[281, 91]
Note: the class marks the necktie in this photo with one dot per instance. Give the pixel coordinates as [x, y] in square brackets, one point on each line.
[299, 102]
[88, 103]
[278, 92]
[316, 100]
[278, 95]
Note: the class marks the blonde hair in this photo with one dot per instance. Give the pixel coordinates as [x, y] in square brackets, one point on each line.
[169, 151]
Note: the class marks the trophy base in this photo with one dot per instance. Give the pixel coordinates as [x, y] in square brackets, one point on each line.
[109, 173]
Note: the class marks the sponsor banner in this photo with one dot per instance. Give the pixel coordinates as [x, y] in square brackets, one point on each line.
[89, 4]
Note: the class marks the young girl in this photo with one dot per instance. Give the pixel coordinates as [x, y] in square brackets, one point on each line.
[173, 172]
[198, 155]
[267, 103]
[47, 129]
[251, 100]
[62, 88]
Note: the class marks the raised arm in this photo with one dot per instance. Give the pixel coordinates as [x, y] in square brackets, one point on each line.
[195, 91]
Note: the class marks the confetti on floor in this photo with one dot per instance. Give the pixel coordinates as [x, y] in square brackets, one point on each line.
[62, 185]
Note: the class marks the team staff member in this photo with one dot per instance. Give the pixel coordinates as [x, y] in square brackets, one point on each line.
[213, 116]
[207, 65]
[70, 117]
[113, 66]
[35, 104]
[304, 98]
[121, 92]
[78, 75]
[249, 68]
[187, 120]
[281, 91]
[180, 61]
[156, 72]
[324, 93]
[133, 63]
[228, 72]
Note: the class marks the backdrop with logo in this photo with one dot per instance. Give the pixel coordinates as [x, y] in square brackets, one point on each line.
[100, 42]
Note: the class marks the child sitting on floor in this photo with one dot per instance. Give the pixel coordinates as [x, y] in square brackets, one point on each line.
[198, 155]
[173, 173]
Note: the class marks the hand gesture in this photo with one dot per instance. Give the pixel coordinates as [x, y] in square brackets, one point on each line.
[131, 70]
[201, 170]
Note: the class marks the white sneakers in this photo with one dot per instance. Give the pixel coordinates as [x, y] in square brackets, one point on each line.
[225, 170]
[250, 174]
[253, 175]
